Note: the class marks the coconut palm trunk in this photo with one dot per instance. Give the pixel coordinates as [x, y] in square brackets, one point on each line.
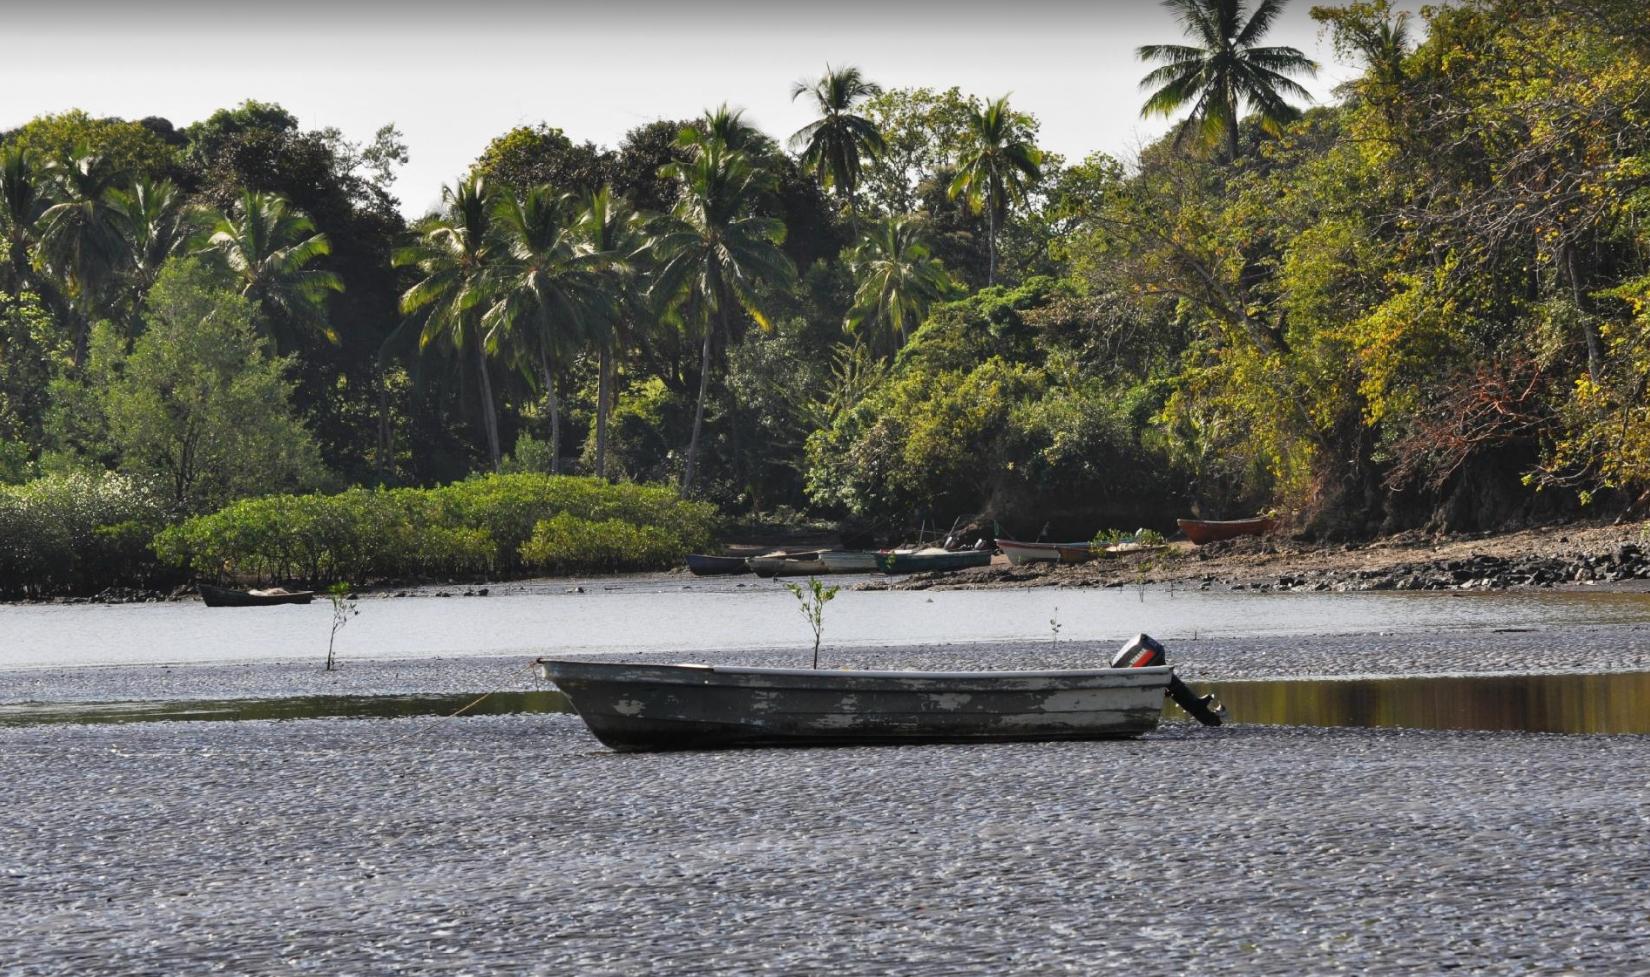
[991, 243]
[604, 396]
[489, 412]
[698, 412]
[555, 411]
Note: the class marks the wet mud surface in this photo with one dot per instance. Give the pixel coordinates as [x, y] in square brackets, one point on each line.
[516, 845]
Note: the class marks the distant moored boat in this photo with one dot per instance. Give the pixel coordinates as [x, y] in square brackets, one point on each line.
[225, 597]
[930, 558]
[705, 566]
[1022, 552]
[1201, 531]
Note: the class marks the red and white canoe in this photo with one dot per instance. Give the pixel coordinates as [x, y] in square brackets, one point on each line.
[1201, 531]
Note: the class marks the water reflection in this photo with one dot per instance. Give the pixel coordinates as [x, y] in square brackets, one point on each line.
[1603, 703]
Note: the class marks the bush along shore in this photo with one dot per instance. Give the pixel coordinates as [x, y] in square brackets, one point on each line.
[106, 536]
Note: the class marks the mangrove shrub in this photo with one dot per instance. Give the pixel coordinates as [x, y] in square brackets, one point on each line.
[494, 524]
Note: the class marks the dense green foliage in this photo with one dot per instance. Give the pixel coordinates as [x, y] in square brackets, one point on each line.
[196, 408]
[79, 533]
[1421, 304]
[492, 525]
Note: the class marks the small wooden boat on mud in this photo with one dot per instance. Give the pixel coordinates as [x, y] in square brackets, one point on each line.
[930, 558]
[632, 707]
[701, 565]
[1201, 531]
[848, 561]
[782, 564]
[1077, 552]
[1019, 552]
[225, 597]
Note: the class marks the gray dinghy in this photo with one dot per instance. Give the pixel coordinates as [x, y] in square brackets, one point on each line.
[687, 707]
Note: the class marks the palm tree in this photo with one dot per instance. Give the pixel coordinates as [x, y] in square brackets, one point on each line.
[156, 222]
[834, 145]
[609, 226]
[79, 243]
[1223, 69]
[716, 253]
[727, 126]
[24, 201]
[997, 168]
[454, 251]
[548, 288]
[268, 246]
[897, 280]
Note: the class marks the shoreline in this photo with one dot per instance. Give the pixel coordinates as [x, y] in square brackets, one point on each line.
[1580, 556]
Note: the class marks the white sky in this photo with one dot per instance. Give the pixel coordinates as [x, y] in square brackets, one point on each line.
[454, 77]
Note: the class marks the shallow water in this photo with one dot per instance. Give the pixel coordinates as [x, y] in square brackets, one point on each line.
[669, 615]
[1615, 703]
[1580, 703]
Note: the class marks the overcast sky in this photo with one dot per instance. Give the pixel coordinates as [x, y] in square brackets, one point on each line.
[454, 75]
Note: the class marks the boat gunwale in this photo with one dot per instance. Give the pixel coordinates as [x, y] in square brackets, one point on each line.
[693, 674]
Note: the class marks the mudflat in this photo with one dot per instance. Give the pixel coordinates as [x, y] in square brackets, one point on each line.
[516, 845]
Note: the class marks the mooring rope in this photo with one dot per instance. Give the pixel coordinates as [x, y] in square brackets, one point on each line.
[478, 700]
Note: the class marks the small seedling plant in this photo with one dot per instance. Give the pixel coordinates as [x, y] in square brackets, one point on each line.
[343, 608]
[813, 599]
[1054, 627]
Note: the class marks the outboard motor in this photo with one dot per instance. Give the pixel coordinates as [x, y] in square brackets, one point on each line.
[1144, 652]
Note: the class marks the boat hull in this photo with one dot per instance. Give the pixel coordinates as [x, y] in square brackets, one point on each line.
[896, 562]
[224, 597]
[781, 566]
[1077, 552]
[1020, 552]
[686, 707]
[708, 566]
[1201, 531]
[849, 561]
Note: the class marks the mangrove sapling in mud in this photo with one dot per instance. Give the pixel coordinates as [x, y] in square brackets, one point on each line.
[1054, 627]
[343, 608]
[813, 599]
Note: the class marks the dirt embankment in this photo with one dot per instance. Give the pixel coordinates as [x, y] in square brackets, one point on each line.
[1574, 555]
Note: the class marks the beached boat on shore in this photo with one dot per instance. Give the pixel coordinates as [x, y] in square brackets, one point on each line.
[848, 561]
[225, 597]
[1019, 552]
[1201, 531]
[707, 566]
[930, 558]
[781, 564]
[684, 707]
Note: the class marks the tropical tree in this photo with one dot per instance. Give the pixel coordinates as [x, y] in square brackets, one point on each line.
[198, 407]
[610, 226]
[727, 126]
[834, 145]
[268, 246]
[1223, 69]
[548, 289]
[79, 242]
[23, 203]
[896, 279]
[155, 222]
[454, 251]
[997, 168]
[716, 253]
